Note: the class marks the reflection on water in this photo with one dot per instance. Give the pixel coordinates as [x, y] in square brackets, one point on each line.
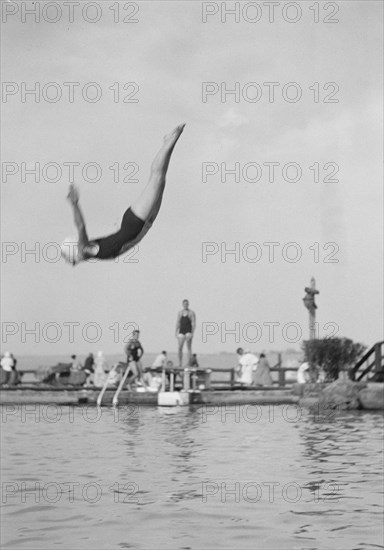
[192, 478]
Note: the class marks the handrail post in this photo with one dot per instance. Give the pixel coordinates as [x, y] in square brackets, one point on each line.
[232, 377]
[281, 372]
[186, 380]
[207, 381]
[172, 381]
[194, 379]
[163, 379]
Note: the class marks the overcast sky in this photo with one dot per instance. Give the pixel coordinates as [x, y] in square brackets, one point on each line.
[169, 53]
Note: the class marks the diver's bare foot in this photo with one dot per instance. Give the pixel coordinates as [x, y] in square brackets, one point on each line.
[174, 135]
[73, 195]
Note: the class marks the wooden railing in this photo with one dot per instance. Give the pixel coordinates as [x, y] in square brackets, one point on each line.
[231, 382]
[192, 378]
[371, 360]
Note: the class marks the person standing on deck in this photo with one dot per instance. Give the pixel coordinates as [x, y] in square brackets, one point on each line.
[135, 352]
[100, 367]
[160, 360]
[193, 362]
[247, 366]
[262, 375]
[15, 376]
[75, 365]
[7, 364]
[185, 328]
[88, 368]
[89, 363]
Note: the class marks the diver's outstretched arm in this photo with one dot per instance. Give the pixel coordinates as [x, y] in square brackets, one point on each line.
[73, 197]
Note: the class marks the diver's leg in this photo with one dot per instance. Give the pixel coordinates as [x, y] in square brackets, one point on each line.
[181, 340]
[147, 206]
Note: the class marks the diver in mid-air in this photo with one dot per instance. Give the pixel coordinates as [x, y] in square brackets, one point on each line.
[137, 219]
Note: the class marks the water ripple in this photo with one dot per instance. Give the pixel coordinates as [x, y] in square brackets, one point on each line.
[175, 479]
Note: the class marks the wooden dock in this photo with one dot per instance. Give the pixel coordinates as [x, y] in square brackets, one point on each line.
[191, 386]
[88, 396]
[204, 386]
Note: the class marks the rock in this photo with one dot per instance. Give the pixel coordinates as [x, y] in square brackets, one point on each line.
[372, 397]
[341, 394]
[308, 390]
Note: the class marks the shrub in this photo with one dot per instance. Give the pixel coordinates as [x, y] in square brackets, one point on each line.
[332, 354]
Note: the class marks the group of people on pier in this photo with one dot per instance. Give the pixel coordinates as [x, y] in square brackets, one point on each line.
[251, 370]
[149, 378]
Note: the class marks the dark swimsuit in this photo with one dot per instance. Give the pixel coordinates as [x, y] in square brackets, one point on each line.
[185, 324]
[113, 245]
[132, 350]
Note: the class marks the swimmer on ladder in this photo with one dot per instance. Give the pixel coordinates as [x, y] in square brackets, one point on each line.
[137, 220]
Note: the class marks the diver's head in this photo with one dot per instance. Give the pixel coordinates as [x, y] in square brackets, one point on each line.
[70, 250]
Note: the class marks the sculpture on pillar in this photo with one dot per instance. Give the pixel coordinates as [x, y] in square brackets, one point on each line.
[309, 299]
[309, 302]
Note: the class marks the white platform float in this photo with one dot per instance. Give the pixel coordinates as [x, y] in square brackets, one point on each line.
[173, 398]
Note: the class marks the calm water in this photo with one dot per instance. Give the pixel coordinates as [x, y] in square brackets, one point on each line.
[144, 478]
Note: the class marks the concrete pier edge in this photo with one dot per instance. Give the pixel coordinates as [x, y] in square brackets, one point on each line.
[340, 394]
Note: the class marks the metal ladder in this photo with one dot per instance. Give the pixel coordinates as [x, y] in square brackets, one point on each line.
[115, 400]
[100, 396]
